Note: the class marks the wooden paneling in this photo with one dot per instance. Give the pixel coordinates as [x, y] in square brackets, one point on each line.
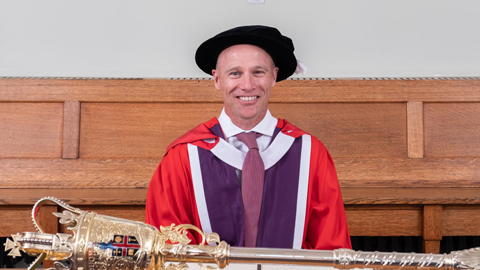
[76, 196]
[415, 129]
[47, 222]
[112, 130]
[142, 90]
[384, 221]
[405, 150]
[410, 195]
[377, 90]
[31, 130]
[367, 130]
[452, 129]
[458, 220]
[408, 172]
[433, 221]
[146, 90]
[136, 173]
[81, 173]
[71, 129]
[15, 219]
[351, 196]
[432, 228]
[431, 247]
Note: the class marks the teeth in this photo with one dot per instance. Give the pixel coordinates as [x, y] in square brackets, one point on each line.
[248, 98]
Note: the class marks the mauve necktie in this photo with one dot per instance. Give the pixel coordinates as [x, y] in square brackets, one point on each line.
[253, 172]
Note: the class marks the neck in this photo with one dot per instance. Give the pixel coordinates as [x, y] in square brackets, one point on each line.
[246, 123]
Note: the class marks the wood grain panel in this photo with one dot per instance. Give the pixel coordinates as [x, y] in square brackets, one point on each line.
[80, 173]
[15, 219]
[461, 221]
[137, 129]
[351, 130]
[376, 90]
[432, 228]
[31, 129]
[77, 196]
[136, 173]
[92, 90]
[350, 195]
[431, 246]
[415, 129]
[408, 172]
[452, 129]
[164, 90]
[71, 129]
[384, 221]
[46, 220]
[410, 195]
[432, 222]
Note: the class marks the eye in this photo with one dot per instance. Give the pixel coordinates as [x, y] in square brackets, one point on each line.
[259, 72]
[234, 74]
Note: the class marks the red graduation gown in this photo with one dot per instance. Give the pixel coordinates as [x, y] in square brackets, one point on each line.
[171, 195]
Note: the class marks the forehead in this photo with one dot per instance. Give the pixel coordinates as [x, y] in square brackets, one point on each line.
[244, 52]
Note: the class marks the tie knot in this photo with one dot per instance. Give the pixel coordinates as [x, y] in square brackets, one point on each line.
[249, 139]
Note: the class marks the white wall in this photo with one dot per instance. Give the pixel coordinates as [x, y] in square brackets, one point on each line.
[147, 38]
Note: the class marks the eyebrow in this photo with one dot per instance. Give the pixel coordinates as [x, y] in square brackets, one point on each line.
[261, 67]
[231, 69]
[255, 67]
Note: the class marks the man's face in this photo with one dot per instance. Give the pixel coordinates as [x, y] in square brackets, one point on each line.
[245, 75]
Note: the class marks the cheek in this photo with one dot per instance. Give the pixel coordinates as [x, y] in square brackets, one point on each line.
[229, 87]
[228, 97]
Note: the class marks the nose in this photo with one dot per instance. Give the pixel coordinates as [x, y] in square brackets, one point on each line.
[248, 82]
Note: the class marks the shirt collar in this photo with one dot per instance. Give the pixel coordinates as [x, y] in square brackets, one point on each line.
[265, 127]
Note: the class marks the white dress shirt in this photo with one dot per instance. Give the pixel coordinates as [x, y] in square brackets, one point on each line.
[266, 127]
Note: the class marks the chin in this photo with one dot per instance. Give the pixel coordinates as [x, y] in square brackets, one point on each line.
[249, 116]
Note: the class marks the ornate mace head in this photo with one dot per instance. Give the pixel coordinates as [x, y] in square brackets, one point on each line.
[99, 242]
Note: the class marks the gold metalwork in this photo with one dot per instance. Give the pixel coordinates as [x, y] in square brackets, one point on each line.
[91, 246]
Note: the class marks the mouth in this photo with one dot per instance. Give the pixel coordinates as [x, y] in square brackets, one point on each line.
[249, 98]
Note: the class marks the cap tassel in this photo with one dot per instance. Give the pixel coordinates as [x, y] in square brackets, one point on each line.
[301, 68]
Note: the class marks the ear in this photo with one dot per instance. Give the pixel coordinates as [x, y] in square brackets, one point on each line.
[216, 79]
[274, 75]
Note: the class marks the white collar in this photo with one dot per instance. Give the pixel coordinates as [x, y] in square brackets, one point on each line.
[265, 127]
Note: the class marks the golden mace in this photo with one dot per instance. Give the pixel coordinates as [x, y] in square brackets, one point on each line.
[102, 242]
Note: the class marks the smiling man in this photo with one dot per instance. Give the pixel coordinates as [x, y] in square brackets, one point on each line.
[245, 75]
[256, 180]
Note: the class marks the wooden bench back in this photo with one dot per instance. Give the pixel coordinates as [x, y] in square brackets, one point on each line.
[406, 151]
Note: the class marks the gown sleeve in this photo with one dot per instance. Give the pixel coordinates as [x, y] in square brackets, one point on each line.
[326, 224]
[170, 196]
